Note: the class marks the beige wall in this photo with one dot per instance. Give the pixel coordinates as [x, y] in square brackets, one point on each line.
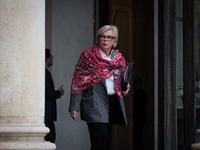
[71, 28]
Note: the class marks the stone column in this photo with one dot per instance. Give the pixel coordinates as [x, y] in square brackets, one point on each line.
[22, 62]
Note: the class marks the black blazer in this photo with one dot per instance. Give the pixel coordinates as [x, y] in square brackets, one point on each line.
[50, 98]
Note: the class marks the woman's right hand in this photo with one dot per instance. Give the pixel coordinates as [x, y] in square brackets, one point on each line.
[126, 92]
[74, 114]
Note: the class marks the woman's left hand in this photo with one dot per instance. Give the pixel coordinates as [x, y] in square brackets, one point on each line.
[126, 92]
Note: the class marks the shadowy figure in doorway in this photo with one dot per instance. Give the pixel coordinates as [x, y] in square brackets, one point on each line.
[140, 100]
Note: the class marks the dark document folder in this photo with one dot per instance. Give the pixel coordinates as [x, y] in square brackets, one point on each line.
[126, 74]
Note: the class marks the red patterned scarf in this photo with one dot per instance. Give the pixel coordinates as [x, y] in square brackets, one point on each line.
[91, 68]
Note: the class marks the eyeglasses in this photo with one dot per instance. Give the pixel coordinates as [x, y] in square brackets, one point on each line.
[109, 38]
[52, 56]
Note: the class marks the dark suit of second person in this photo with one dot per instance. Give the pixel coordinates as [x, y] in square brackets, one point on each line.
[51, 95]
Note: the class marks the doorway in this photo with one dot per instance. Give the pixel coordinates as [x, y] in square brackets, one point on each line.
[134, 20]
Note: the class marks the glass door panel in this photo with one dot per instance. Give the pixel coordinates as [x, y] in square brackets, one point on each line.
[179, 72]
[197, 63]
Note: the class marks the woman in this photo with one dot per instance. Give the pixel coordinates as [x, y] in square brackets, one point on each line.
[96, 88]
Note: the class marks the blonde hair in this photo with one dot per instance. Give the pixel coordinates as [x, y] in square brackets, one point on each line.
[106, 28]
